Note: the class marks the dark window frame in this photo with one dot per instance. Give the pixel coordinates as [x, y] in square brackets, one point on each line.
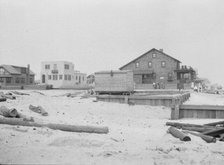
[154, 55]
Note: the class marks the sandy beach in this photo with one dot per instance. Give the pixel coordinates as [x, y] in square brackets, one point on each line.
[137, 133]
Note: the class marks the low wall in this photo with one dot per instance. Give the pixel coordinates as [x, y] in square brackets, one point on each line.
[37, 87]
[197, 111]
[160, 92]
[154, 100]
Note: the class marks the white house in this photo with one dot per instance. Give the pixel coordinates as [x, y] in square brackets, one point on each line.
[61, 74]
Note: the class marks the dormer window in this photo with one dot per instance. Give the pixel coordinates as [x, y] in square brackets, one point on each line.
[137, 64]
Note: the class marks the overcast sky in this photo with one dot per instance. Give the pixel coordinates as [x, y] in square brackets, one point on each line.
[103, 35]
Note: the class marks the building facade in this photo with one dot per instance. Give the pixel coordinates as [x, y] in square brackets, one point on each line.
[155, 66]
[61, 74]
[11, 75]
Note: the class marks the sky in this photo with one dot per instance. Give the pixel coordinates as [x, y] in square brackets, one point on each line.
[106, 34]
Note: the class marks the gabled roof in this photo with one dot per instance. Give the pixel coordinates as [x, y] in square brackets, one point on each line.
[12, 70]
[19, 67]
[153, 49]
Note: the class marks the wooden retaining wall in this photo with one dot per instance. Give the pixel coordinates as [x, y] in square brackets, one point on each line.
[197, 111]
[28, 87]
[154, 100]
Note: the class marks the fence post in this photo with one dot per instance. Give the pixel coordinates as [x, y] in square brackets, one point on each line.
[175, 109]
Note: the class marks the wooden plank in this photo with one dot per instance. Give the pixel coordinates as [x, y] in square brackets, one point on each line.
[202, 107]
[214, 132]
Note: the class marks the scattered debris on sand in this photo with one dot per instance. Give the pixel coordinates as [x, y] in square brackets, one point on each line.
[38, 109]
[208, 132]
[19, 93]
[13, 113]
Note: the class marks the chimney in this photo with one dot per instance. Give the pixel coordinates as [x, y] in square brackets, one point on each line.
[161, 50]
[28, 74]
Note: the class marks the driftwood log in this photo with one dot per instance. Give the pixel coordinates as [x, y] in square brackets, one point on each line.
[178, 134]
[198, 129]
[208, 139]
[38, 109]
[180, 125]
[215, 133]
[62, 127]
[19, 93]
[215, 123]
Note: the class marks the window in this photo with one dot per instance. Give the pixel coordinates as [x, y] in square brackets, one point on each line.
[55, 66]
[69, 77]
[17, 80]
[60, 77]
[137, 64]
[31, 80]
[49, 77]
[76, 77]
[47, 66]
[22, 80]
[83, 78]
[66, 78]
[163, 64]
[2, 71]
[170, 76]
[23, 70]
[150, 64]
[153, 55]
[8, 80]
[66, 66]
[55, 77]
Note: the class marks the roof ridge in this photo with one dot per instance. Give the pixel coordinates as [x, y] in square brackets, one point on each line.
[153, 49]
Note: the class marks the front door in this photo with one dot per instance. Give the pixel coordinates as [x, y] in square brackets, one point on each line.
[43, 78]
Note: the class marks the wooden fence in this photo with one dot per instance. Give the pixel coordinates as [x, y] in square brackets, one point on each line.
[197, 111]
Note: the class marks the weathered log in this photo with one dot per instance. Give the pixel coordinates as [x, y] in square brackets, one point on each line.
[38, 109]
[208, 139]
[178, 134]
[6, 112]
[215, 132]
[215, 123]
[181, 125]
[19, 93]
[197, 129]
[24, 117]
[62, 127]
[39, 93]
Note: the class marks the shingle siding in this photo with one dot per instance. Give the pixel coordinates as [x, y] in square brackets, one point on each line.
[170, 65]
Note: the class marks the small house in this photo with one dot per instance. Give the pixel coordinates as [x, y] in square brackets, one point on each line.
[11, 75]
